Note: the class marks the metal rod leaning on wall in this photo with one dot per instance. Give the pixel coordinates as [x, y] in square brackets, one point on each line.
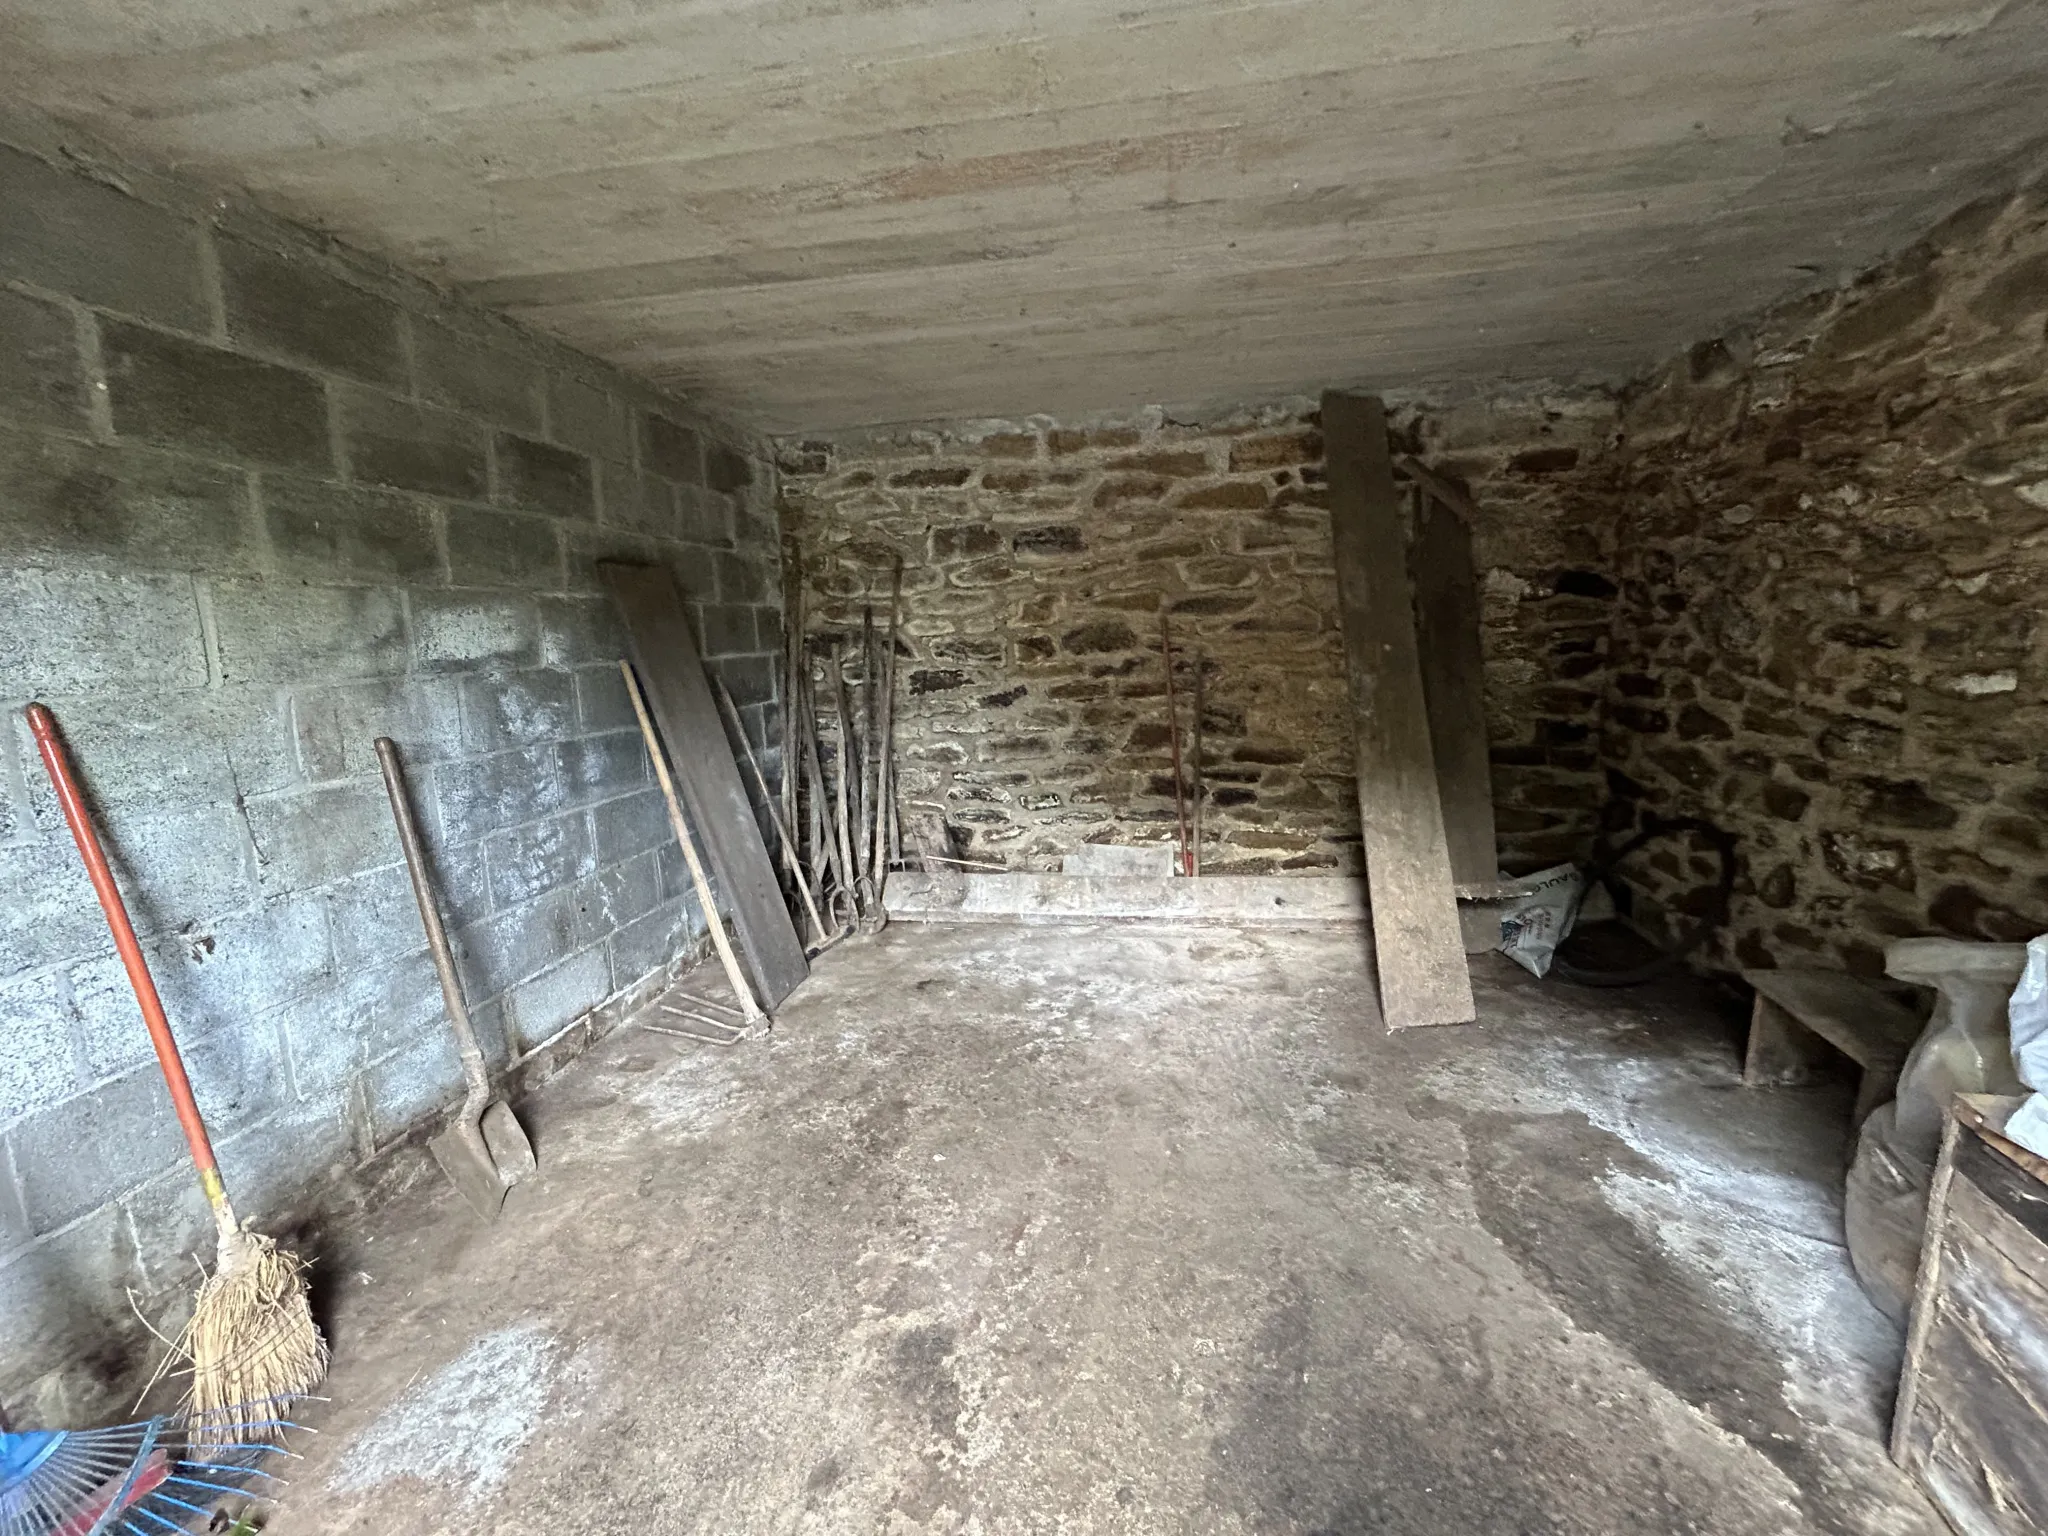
[756, 1019]
[885, 772]
[843, 719]
[1180, 804]
[1195, 773]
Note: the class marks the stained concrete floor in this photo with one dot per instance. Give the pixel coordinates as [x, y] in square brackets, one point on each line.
[1094, 1230]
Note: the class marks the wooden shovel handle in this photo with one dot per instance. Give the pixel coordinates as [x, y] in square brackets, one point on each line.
[43, 725]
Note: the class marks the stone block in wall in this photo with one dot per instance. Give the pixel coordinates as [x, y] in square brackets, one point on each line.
[476, 377]
[81, 237]
[728, 630]
[600, 767]
[487, 548]
[704, 517]
[128, 1124]
[641, 502]
[321, 531]
[38, 1069]
[206, 400]
[588, 419]
[334, 727]
[643, 946]
[79, 503]
[629, 825]
[602, 703]
[481, 795]
[394, 442]
[580, 631]
[670, 450]
[237, 1072]
[291, 306]
[518, 709]
[41, 379]
[47, 911]
[741, 578]
[540, 477]
[507, 947]
[528, 861]
[312, 836]
[460, 630]
[273, 633]
[538, 1009]
[408, 1085]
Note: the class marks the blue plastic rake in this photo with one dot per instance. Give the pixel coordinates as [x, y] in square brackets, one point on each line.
[162, 1475]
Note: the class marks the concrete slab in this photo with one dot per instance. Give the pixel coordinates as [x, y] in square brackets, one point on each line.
[1115, 1229]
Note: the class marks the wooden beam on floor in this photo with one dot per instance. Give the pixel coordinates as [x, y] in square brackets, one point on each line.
[1447, 618]
[664, 653]
[1421, 955]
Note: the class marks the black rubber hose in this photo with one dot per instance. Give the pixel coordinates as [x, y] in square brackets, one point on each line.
[1603, 870]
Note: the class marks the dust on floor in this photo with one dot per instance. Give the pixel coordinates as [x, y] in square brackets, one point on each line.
[1114, 1229]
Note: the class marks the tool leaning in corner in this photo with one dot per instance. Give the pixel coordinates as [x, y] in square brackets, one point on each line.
[485, 1152]
[252, 1339]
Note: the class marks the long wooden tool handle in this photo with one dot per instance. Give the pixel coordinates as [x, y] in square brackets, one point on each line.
[43, 726]
[474, 1071]
[783, 837]
[726, 957]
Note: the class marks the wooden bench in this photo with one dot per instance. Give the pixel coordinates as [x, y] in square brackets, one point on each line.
[1797, 1010]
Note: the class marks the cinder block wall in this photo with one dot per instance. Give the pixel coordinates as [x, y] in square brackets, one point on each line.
[1038, 561]
[261, 502]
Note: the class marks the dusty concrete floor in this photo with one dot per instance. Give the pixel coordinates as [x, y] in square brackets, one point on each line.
[1036, 1230]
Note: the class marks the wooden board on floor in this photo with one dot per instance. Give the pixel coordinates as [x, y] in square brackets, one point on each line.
[664, 653]
[1421, 956]
[1447, 619]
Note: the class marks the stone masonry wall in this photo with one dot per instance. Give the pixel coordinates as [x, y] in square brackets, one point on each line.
[1038, 562]
[1834, 536]
[261, 502]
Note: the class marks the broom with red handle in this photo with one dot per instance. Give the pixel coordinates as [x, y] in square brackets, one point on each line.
[252, 1338]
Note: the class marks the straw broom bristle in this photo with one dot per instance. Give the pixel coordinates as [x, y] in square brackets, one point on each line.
[252, 1340]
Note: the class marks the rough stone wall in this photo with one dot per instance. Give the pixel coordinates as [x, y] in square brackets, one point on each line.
[1039, 559]
[259, 503]
[1834, 536]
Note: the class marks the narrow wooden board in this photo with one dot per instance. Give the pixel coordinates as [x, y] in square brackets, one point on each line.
[664, 653]
[1447, 619]
[1421, 956]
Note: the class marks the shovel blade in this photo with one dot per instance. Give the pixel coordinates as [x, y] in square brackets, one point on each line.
[511, 1153]
[463, 1156]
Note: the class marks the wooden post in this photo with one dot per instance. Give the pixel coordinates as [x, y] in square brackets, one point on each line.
[1416, 939]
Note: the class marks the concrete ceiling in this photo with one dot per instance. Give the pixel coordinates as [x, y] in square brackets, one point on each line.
[824, 213]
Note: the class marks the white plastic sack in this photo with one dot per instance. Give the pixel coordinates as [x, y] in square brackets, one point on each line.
[2028, 1012]
[1537, 915]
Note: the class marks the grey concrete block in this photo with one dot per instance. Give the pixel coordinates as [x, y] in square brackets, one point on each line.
[537, 1010]
[487, 794]
[63, 1301]
[541, 856]
[177, 865]
[727, 629]
[78, 236]
[588, 419]
[649, 943]
[271, 1165]
[85, 1151]
[580, 631]
[696, 572]
[742, 578]
[336, 727]
[477, 378]
[309, 837]
[726, 468]
[414, 447]
[703, 517]
[460, 630]
[295, 308]
[750, 679]
[210, 401]
[162, 749]
[321, 531]
[503, 549]
[270, 632]
[670, 450]
[517, 709]
[41, 380]
[220, 973]
[630, 825]
[125, 506]
[628, 891]
[396, 1004]
[510, 946]
[540, 477]
[373, 917]
[600, 767]
[39, 1068]
[637, 502]
[63, 629]
[410, 1086]
[47, 911]
[238, 1073]
[602, 703]
[585, 547]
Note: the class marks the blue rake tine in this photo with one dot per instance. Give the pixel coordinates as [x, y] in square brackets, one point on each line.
[207, 1466]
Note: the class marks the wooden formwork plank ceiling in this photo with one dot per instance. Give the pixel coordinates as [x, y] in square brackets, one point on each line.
[826, 213]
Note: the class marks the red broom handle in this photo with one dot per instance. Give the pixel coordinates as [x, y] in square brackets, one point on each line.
[44, 726]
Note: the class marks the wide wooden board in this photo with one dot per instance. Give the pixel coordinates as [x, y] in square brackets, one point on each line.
[664, 653]
[1454, 685]
[1421, 955]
